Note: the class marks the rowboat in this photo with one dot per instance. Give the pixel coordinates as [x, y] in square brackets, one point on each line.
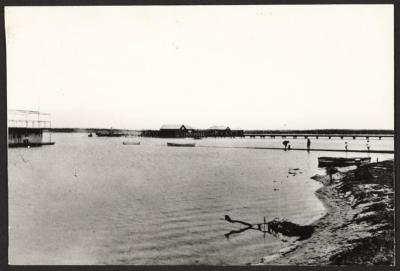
[342, 162]
[181, 144]
[131, 143]
[110, 133]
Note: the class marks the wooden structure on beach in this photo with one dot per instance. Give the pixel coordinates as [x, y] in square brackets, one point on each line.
[25, 128]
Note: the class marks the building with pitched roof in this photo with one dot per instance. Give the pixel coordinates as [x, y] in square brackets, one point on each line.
[218, 131]
[175, 130]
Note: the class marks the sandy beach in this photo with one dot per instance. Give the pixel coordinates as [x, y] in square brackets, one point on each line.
[358, 228]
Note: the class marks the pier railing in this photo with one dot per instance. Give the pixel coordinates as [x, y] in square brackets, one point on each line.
[28, 119]
[316, 136]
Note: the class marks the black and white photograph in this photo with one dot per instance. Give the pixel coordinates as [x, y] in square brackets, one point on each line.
[215, 135]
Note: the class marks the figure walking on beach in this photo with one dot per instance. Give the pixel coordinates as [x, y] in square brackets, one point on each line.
[285, 143]
[368, 147]
[345, 146]
[308, 144]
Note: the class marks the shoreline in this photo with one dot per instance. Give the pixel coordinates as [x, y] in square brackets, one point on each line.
[301, 149]
[358, 226]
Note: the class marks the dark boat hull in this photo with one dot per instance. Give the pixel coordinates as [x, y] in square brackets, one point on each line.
[109, 135]
[342, 162]
[181, 145]
[19, 145]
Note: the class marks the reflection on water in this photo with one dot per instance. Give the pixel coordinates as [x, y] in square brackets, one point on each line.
[97, 201]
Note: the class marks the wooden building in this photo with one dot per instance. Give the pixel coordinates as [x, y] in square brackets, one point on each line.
[26, 128]
[175, 130]
[237, 132]
[182, 130]
[219, 131]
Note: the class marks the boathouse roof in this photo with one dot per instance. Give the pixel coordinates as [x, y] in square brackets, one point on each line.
[218, 127]
[175, 127]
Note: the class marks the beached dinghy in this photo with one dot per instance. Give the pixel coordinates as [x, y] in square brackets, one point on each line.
[131, 143]
[181, 144]
[342, 162]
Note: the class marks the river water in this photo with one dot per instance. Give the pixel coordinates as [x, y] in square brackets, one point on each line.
[96, 201]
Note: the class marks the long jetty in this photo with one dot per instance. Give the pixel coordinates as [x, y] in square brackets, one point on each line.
[316, 136]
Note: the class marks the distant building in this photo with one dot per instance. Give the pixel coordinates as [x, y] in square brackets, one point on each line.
[183, 130]
[150, 133]
[237, 132]
[219, 131]
[25, 128]
[175, 130]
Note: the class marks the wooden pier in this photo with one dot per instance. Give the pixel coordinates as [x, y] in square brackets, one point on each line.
[316, 136]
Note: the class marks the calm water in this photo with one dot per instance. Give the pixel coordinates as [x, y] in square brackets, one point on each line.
[96, 201]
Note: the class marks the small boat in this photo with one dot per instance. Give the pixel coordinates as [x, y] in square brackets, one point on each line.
[110, 133]
[197, 137]
[90, 135]
[342, 162]
[181, 144]
[29, 144]
[131, 143]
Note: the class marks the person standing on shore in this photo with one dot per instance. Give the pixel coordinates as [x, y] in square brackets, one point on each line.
[308, 144]
[285, 143]
[345, 146]
[368, 147]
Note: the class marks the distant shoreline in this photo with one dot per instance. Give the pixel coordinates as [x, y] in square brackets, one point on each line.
[87, 130]
[311, 131]
[358, 228]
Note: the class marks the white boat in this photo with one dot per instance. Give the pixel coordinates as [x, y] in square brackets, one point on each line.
[130, 143]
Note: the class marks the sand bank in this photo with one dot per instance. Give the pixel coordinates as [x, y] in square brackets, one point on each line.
[358, 228]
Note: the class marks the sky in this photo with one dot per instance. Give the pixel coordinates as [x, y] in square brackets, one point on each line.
[248, 67]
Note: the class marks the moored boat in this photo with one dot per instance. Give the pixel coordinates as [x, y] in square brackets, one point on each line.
[131, 143]
[342, 161]
[29, 144]
[181, 144]
[109, 133]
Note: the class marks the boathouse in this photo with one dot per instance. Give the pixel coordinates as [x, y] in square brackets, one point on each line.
[219, 131]
[28, 128]
[175, 130]
[237, 132]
